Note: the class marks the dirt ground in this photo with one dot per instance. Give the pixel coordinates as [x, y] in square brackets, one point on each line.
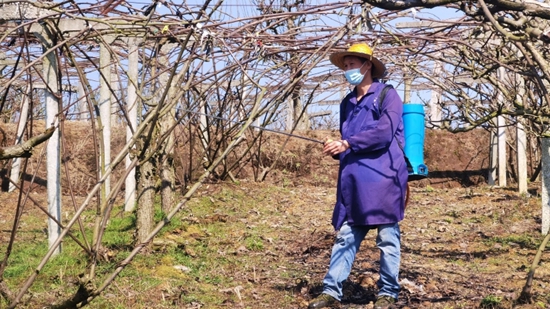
[461, 247]
[464, 244]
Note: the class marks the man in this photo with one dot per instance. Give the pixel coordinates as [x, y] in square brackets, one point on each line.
[372, 178]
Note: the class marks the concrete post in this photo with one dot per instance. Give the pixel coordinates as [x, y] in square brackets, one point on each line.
[53, 159]
[105, 109]
[16, 163]
[203, 125]
[501, 132]
[407, 91]
[521, 137]
[289, 115]
[82, 101]
[545, 142]
[115, 85]
[521, 157]
[132, 107]
[501, 141]
[493, 159]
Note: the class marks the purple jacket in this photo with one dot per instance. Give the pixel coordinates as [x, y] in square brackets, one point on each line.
[372, 180]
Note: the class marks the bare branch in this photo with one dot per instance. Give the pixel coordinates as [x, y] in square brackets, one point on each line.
[24, 150]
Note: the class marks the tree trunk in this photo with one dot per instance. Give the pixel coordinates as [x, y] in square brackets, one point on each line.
[167, 183]
[146, 200]
[168, 121]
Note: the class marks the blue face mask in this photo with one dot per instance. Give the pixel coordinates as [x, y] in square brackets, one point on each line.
[354, 76]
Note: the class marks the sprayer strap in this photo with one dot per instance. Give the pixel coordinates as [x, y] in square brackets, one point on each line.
[380, 100]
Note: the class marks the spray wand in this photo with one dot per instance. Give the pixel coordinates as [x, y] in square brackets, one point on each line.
[257, 127]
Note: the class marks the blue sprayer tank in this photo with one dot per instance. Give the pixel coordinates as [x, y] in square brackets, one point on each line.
[413, 121]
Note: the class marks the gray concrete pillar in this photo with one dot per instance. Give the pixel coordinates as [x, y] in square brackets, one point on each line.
[132, 107]
[545, 185]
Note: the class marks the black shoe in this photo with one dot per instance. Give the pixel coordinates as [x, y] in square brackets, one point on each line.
[384, 302]
[323, 301]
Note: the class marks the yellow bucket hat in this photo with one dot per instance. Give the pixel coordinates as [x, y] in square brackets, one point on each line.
[361, 50]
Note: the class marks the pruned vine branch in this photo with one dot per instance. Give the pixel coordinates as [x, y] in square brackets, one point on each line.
[24, 150]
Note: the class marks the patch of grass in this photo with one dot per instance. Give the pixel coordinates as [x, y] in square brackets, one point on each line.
[59, 268]
[254, 243]
[491, 302]
[457, 261]
[453, 214]
[524, 241]
[477, 219]
[123, 223]
[119, 231]
[23, 257]
[57, 277]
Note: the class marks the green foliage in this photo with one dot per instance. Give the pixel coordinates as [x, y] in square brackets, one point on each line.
[453, 214]
[254, 243]
[119, 231]
[159, 214]
[524, 241]
[490, 302]
[24, 257]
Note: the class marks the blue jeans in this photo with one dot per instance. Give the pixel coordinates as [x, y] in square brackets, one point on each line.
[347, 244]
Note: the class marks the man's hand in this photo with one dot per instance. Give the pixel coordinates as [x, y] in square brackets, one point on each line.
[333, 148]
